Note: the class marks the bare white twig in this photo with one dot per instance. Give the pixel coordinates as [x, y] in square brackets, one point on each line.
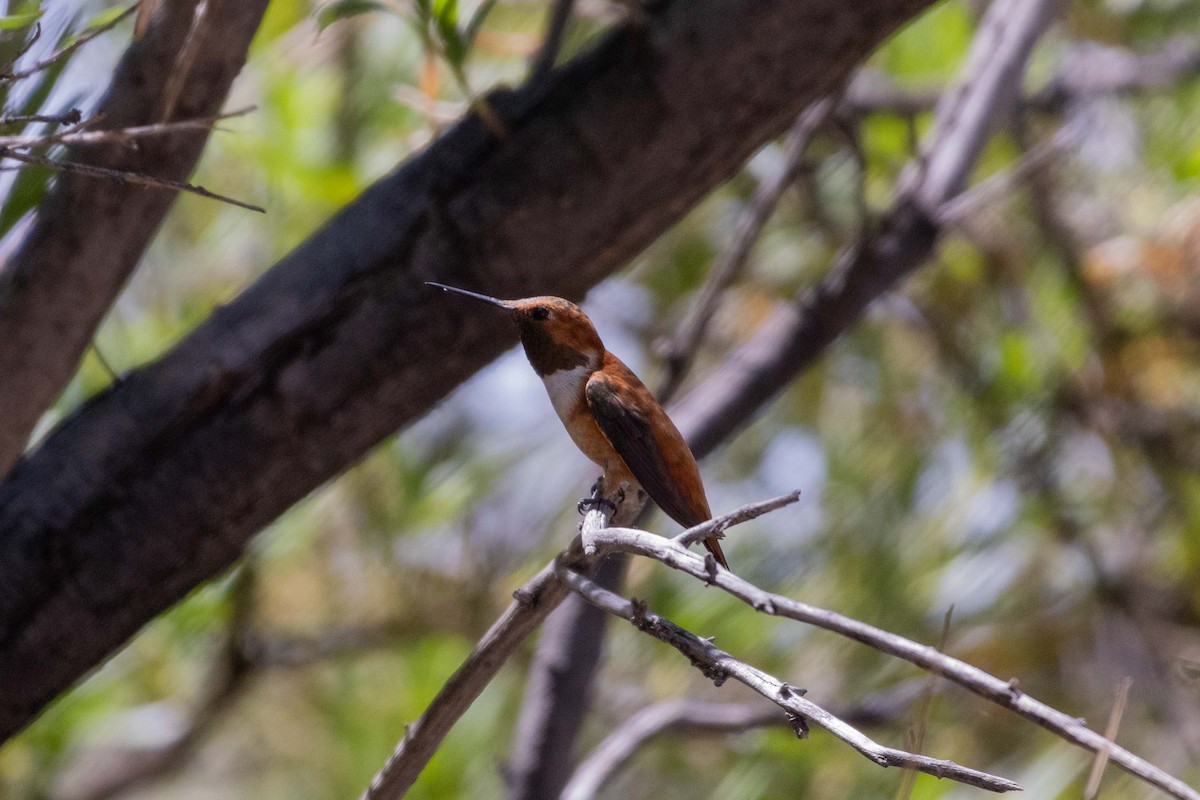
[1003, 693]
[719, 665]
[620, 746]
[718, 525]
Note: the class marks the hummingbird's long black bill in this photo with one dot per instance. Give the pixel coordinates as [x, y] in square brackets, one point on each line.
[494, 301]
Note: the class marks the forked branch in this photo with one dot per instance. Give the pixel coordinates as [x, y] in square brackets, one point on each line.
[719, 665]
[1003, 693]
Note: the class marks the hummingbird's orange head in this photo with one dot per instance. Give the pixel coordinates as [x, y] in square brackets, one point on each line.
[555, 332]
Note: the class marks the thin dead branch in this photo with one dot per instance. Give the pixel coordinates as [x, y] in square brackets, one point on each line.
[71, 117]
[66, 50]
[123, 176]
[986, 193]
[719, 665]
[145, 11]
[718, 525]
[1092, 790]
[85, 132]
[975, 680]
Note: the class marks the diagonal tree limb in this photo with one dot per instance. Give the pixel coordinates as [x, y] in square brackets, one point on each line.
[796, 335]
[89, 234]
[157, 484]
[531, 604]
[1003, 693]
[558, 692]
[720, 665]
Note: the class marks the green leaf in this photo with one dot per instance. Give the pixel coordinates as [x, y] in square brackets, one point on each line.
[445, 13]
[25, 194]
[23, 19]
[103, 18]
[344, 9]
[31, 183]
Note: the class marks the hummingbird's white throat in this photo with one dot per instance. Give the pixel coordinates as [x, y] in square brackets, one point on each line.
[566, 389]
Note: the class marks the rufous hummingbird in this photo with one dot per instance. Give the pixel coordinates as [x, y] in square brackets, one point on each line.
[610, 414]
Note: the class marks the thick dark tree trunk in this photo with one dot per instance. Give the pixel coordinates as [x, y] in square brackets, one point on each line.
[157, 484]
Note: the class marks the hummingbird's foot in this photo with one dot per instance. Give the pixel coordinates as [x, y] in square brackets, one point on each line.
[591, 503]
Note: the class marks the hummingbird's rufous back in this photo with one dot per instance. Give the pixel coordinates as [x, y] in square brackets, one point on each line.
[610, 414]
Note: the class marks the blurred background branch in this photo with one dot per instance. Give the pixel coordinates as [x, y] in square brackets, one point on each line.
[694, 718]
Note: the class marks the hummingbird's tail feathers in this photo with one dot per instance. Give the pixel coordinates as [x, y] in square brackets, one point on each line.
[713, 545]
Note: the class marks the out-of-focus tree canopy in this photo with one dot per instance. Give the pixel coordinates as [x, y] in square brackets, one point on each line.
[1013, 433]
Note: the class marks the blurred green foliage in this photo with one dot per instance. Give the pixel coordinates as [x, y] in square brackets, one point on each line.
[1013, 433]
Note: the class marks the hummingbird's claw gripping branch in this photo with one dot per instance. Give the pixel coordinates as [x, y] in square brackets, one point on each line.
[596, 504]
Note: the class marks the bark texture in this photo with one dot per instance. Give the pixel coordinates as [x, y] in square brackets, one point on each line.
[91, 232]
[157, 484]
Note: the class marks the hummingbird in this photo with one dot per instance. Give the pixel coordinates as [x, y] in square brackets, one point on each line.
[610, 415]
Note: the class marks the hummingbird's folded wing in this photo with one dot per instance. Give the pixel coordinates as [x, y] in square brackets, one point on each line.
[649, 443]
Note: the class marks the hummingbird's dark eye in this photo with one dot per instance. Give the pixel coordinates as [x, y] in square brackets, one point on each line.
[540, 313]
